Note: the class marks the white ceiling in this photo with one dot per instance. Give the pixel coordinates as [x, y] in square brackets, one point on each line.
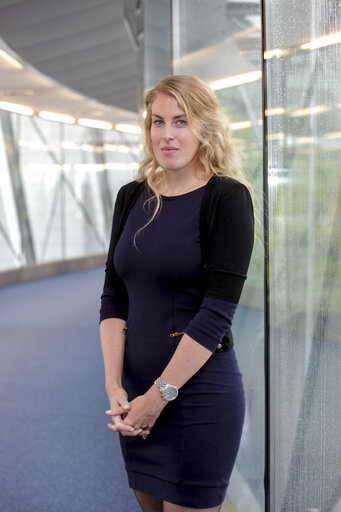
[71, 49]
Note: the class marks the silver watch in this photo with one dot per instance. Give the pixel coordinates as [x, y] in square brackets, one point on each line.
[168, 391]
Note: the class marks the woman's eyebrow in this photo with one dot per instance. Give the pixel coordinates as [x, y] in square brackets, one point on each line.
[175, 117]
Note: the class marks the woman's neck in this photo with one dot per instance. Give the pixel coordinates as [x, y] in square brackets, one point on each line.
[174, 185]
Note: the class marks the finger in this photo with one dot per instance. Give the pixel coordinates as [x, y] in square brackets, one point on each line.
[115, 411]
[120, 426]
[133, 433]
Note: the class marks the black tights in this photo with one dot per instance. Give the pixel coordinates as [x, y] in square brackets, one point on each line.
[150, 503]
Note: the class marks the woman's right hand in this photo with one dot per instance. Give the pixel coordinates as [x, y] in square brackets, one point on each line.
[119, 408]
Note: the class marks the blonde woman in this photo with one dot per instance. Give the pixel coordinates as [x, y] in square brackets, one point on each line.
[180, 247]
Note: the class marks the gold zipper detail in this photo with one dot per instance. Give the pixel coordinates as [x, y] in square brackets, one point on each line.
[124, 330]
[173, 334]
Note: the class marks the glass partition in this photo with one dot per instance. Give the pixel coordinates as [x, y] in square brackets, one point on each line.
[57, 188]
[221, 40]
[303, 143]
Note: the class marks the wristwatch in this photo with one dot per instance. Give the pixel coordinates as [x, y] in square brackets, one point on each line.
[168, 391]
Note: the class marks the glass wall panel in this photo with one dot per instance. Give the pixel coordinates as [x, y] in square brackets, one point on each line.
[157, 41]
[10, 250]
[304, 181]
[58, 187]
[217, 40]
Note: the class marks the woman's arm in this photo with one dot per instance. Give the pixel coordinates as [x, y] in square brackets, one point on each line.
[112, 343]
[188, 358]
[112, 336]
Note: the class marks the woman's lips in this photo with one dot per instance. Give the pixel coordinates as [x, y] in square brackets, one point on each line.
[169, 149]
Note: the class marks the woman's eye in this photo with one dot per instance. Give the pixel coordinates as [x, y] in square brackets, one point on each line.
[157, 122]
[181, 122]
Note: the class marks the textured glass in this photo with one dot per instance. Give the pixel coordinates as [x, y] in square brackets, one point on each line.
[215, 40]
[57, 188]
[304, 139]
[157, 41]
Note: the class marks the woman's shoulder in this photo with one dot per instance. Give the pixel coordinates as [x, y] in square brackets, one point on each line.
[131, 186]
[127, 191]
[220, 186]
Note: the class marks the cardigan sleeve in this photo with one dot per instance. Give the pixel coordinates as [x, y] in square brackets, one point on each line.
[228, 253]
[114, 298]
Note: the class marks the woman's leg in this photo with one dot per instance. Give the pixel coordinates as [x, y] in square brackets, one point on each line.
[170, 507]
[148, 503]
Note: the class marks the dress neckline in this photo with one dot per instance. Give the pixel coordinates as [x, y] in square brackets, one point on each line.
[183, 195]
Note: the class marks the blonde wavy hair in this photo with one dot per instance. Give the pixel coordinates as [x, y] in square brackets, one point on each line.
[217, 154]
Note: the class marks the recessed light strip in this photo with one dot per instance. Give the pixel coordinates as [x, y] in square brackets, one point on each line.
[320, 42]
[317, 109]
[6, 56]
[17, 109]
[241, 125]
[276, 52]
[234, 80]
[128, 128]
[92, 123]
[65, 118]
[55, 116]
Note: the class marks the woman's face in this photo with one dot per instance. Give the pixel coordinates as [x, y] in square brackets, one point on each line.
[174, 144]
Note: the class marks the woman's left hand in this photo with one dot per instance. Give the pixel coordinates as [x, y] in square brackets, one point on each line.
[145, 410]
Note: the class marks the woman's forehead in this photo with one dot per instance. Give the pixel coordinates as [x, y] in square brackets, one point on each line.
[166, 103]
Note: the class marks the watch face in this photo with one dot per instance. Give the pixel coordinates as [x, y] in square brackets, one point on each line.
[170, 392]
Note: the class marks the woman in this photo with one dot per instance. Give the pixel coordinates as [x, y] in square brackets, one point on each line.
[180, 247]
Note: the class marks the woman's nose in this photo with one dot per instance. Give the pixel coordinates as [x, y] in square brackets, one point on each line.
[167, 132]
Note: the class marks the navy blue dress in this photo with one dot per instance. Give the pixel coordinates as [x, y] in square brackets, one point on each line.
[188, 457]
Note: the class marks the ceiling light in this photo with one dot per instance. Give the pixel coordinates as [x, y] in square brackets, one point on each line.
[273, 181]
[54, 116]
[276, 136]
[42, 168]
[232, 81]
[274, 111]
[319, 42]
[110, 147]
[128, 128]
[306, 140]
[10, 59]
[92, 123]
[89, 167]
[332, 135]
[69, 144]
[241, 125]
[17, 109]
[35, 144]
[88, 147]
[318, 109]
[276, 52]
[121, 166]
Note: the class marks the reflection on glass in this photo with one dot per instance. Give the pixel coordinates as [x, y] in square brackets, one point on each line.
[304, 184]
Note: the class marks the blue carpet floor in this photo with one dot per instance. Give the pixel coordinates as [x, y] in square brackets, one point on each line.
[56, 452]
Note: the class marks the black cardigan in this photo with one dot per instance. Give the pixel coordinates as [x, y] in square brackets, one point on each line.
[226, 237]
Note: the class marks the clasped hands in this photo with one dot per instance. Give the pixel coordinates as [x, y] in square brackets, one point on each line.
[138, 416]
